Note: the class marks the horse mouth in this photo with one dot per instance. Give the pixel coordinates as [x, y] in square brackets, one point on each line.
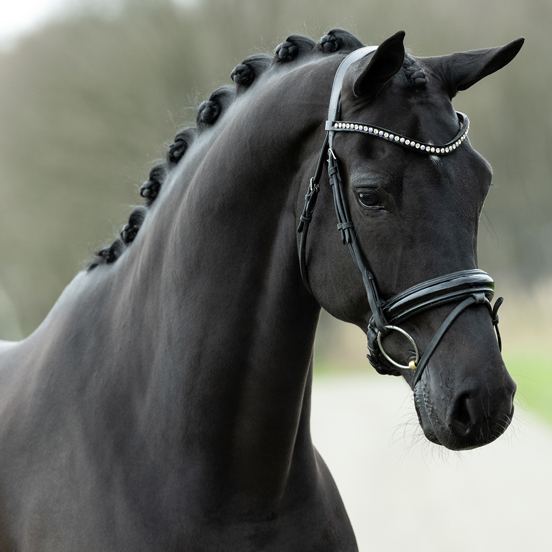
[423, 416]
[438, 432]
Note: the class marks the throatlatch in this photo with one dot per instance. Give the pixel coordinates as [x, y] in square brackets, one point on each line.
[470, 287]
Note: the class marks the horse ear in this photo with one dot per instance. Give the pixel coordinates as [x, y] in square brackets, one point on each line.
[464, 69]
[374, 72]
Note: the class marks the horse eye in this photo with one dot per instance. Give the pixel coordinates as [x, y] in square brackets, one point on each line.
[369, 199]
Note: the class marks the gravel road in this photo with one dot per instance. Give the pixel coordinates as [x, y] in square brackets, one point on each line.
[405, 494]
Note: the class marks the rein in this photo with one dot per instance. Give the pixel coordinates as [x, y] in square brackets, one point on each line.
[470, 287]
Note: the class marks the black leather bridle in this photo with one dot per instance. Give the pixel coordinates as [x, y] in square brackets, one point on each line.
[470, 287]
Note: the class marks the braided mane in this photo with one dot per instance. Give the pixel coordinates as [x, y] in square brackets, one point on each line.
[294, 50]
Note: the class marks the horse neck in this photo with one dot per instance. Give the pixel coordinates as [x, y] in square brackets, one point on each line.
[227, 326]
[223, 245]
[226, 246]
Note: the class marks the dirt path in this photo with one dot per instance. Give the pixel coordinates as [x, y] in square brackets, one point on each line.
[405, 494]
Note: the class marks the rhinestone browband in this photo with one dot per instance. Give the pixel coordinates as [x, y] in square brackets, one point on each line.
[414, 145]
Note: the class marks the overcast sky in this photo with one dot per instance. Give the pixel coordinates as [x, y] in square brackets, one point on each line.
[20, 16]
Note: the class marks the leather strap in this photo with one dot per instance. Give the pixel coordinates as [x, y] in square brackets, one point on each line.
[338, 80]
[476, 298]
[344, 221]
[437, 291]
[349, 237]
[303, 228]
[313, 190]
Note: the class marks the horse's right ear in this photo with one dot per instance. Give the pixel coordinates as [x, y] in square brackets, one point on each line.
[371, 74]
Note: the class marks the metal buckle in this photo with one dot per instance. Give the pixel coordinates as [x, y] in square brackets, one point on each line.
[414, 362]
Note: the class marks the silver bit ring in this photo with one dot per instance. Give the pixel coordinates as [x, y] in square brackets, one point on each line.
[413, 363]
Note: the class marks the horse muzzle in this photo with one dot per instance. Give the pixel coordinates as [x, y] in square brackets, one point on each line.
[473, 416]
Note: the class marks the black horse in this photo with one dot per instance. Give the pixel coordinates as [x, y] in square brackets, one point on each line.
[164, 402]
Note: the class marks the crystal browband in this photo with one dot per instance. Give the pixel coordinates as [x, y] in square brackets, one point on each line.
[414, 145]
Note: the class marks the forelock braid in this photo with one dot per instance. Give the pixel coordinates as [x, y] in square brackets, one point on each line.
[414, 72]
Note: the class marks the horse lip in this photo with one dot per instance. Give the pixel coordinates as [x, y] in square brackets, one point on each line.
[423, 417]
[446, 437]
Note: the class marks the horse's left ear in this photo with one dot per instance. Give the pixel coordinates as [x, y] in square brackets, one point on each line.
[371, 74]
[462, 70]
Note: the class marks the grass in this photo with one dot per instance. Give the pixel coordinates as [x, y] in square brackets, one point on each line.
[532, 370]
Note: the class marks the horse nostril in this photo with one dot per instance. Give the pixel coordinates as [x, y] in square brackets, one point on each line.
[461, 419]
[475, 418]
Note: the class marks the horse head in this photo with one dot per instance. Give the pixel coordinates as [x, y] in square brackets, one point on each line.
[408, 202]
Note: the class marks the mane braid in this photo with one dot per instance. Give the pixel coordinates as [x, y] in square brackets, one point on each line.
[135, 221]
[182, 141]
[248, 70]
[108, 255]
[150, 189]
[210, 110]
[338, 40]
[295, 49]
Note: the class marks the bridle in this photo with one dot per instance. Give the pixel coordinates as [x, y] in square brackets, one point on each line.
[470, 287]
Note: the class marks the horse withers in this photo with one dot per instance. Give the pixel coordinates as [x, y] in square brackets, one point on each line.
[164, 403]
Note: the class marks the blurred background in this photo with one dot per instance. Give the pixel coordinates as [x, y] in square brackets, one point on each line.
[93, 91]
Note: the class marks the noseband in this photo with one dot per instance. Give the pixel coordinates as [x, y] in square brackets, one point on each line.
[470, 287]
